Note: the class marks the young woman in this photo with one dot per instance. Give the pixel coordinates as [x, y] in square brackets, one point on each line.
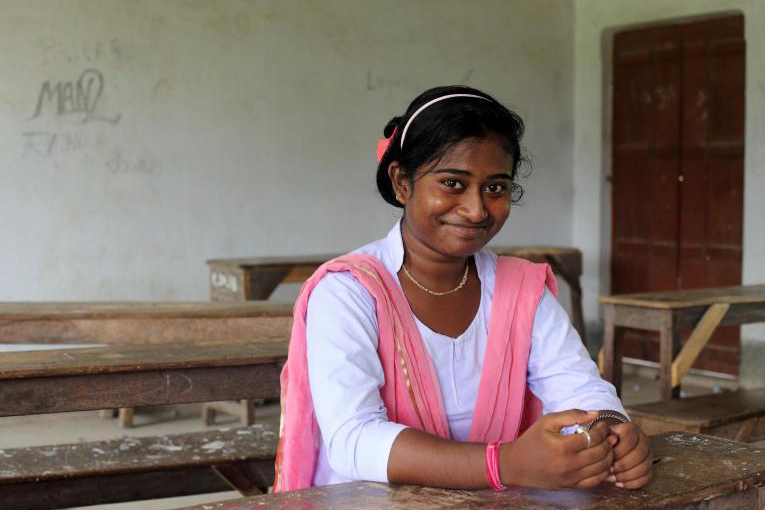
[422, 358]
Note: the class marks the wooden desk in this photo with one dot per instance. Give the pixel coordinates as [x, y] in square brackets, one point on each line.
[690, 472]
[257, 278]
[142, 322]
[64, 380]
[566, 263]
[669, 313]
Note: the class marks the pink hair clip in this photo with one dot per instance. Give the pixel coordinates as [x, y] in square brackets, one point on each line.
[383, 144]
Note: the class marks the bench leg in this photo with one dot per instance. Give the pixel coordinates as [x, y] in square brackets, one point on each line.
[244, 409]
[745, 432]
[576, 310]
[126, 417]
[247, 416]
[576, 295]
[208, 414]
[249, 479]
[612, 350]
[669, 346]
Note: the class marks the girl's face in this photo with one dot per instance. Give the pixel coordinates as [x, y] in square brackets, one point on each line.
[457, 204]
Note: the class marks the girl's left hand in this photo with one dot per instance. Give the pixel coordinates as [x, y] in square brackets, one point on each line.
[632, 457]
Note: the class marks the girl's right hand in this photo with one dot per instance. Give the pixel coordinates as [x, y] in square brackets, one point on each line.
[544, 458]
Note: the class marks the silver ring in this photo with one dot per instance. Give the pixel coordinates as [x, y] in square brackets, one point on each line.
[583, 430]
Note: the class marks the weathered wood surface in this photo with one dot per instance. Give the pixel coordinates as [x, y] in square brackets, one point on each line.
[128, 376]
[690, 298]
[131, 454]
[136, 309]
[126, 469]
[690, 472]
[722, 415]
[142, 322]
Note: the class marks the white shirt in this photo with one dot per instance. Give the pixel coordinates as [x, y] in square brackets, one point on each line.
[345, 374]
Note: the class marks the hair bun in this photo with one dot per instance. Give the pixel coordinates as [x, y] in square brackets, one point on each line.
[390, 126]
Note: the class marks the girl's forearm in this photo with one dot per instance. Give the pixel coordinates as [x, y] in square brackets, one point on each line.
[420, 458]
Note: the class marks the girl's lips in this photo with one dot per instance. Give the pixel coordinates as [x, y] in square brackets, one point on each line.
[468, 231]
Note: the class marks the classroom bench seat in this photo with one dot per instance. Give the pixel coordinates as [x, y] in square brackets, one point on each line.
[733, 415]
[128, 469]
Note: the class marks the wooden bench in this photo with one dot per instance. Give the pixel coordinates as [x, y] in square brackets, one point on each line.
[690, 472]
[123, 323]
[669, 313]
[257, 278]
[142, 322]
[53, 381]
[130, 469]
[738, 415]
[57, 381]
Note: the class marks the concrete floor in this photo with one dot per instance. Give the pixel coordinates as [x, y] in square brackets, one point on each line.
[640, 385]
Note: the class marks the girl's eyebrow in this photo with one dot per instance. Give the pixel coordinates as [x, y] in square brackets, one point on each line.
[456, 171]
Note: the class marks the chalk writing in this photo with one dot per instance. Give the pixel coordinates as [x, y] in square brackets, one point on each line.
[224, 280]
[119, 162]
[57, 50]
[381, 82]
[44, 144]
[376, 82]
[74, 97]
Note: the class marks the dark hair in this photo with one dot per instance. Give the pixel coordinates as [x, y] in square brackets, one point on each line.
[442, 125]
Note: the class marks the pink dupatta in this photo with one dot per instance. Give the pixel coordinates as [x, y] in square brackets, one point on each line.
[504, 407]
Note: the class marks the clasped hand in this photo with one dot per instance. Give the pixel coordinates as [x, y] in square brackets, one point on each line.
[544, 458]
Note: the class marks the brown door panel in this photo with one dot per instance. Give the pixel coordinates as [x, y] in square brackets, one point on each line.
[677, 149]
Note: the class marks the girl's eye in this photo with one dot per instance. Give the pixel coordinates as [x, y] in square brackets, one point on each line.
[452, 183]
[496, 188]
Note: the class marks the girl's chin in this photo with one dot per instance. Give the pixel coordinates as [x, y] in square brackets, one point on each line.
[463, 248]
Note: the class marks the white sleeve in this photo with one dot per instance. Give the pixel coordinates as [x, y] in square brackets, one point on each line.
[560, 371]
[345, 376]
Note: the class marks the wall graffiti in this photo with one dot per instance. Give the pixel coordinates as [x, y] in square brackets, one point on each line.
[74, 97]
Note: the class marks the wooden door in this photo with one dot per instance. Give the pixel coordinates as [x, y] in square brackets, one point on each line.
[678, 139]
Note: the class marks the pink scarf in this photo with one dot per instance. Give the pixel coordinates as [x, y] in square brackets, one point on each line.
[504, 407]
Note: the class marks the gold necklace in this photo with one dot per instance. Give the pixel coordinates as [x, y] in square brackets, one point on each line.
[455, 289]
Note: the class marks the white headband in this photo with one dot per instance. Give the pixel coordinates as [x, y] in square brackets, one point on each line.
[433, 101]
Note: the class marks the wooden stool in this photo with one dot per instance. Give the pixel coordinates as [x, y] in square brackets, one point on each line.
[736, 415]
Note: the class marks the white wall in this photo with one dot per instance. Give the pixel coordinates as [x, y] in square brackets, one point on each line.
[595, 22]
[245, 128]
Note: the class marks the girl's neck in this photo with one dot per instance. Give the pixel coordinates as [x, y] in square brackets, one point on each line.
[433, 269]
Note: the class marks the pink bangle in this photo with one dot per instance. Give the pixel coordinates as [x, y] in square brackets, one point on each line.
[492, 466]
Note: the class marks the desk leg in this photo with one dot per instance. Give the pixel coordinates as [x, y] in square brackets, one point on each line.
[261, 282]
[576, 295]
[576, 310]
[612, 350]
[669, 346]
